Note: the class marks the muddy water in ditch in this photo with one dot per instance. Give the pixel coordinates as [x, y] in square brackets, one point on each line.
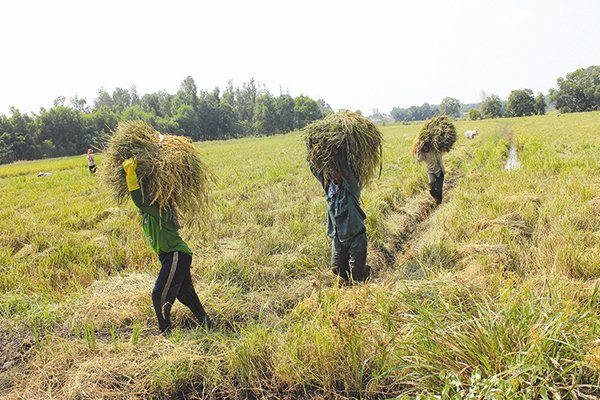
[512, 162]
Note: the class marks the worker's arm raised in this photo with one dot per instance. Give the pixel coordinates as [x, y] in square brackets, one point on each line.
[130, 167]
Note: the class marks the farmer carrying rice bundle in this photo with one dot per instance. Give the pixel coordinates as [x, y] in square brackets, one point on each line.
[167, 180]
[344, 152]
[437, 136]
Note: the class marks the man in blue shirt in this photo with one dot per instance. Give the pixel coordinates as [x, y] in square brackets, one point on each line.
[345, 224]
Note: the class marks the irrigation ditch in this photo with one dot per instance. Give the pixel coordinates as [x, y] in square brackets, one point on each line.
[406, 224]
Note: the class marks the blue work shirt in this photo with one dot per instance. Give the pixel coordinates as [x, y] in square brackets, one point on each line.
[345, 218]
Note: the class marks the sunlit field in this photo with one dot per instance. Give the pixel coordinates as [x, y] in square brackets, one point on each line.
[495, 294]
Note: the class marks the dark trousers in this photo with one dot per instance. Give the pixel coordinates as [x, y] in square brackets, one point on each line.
[436, 185]
[175, 282]
[92, 169]
[349, 258]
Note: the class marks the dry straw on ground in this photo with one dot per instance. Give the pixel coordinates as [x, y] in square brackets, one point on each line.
[169, 168]
[439, 133]
[344, 137]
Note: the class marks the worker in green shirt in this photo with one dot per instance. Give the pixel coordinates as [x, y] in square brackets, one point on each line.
[345, 223]
[174, 279]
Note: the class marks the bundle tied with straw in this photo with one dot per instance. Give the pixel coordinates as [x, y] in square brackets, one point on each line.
[169, 168]
[438, 133]
[344, 139]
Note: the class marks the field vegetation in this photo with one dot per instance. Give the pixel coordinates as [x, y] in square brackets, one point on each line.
[495, 294]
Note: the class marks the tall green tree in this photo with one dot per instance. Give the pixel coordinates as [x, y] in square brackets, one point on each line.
[159, 103]
[228, 120]
[103, 99]
[284, 110]
[578, 90]
[229, 93]
[306, 110]
[18, 137]
[100, 122]
[65, 127]
[520, 103]
[474, 114]
[6, 151]
[265, 115]
[136, 113]
[209, 118]
[246, 101]
[135, 98]
[23, 135]
[325, 107]
[424, 112]
[187, 121]
[540, 104]
[450, 106]
[399, 114]
[121, 99]
[59, 101]
[187, 94]
[79, 104]
[150, 102]
[491, 107]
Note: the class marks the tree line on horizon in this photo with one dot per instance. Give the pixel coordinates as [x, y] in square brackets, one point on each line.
[577, 91]
[71, 127]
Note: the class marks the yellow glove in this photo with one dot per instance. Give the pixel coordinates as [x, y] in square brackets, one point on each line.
[129, 166]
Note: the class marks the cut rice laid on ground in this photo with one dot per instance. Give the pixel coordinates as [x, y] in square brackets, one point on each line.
[439, 133]
[345, 138]
[169, 168]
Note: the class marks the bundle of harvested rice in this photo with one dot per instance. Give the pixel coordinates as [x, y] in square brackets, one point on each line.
[169, 168]
[344, 139]
[438, 133]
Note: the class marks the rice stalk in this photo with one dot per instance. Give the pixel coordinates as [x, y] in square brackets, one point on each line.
[439, 133]
[169, 168]
[344, 139]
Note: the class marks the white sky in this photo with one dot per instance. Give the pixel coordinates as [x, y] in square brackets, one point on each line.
[354, 54]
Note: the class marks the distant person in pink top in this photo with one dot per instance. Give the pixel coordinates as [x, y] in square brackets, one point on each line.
[91, 162]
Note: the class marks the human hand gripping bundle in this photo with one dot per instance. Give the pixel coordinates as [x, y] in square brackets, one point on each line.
[167, 168]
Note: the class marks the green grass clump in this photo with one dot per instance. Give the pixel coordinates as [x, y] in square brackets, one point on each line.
[170, 169]
[345, 138]
[438, 133]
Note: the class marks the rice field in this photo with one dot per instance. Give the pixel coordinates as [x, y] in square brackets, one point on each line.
[495, 294]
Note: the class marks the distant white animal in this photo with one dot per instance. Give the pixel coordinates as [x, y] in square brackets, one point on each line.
[472, 133]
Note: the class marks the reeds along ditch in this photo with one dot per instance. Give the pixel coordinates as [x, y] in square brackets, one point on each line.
[345, 139]
[439, 133]
[169, 168]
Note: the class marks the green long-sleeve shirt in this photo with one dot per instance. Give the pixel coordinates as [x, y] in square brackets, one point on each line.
[160, 226]
[345, 217]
